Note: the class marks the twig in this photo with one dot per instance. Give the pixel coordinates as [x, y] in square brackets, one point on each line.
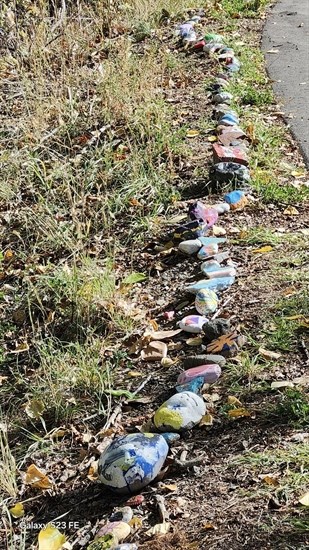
[163, 513]
[143, 384]
[186, 464]
[221, 308]
[113, 417]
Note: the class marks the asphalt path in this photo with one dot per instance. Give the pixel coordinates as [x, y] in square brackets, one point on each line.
[286, 47]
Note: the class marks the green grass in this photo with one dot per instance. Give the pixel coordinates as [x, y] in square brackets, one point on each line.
[292, 408]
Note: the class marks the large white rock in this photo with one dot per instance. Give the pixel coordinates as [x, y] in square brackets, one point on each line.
[180, 412]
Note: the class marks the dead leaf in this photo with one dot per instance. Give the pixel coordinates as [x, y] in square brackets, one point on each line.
[93, 471]
[3, 379]
[50, 538]
[281, 384]
[20, 348]
[172, 487]
[293, 317]
[35, 408]
[162, 334]
[168, 361]
[207, 420]
[301, 380]
[209, 525]
[159, 529]
[267, 354]
[18, 510]
[270, 480]
[154, 325]
[192, 133]
[155, 351]
[212, 139]
[134, 373]
[239, 413]
[291, 211]
[262, 250]
[136, 523]
[197, 341]
[36, 478]
[304, 500]
[8, 255]
[297, 173]
[232, 400]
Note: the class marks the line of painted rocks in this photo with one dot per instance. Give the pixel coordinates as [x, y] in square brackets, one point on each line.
[131, 462]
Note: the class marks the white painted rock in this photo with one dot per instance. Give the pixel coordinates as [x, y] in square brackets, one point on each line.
[193, 323]
[180, 412]
[190, 247]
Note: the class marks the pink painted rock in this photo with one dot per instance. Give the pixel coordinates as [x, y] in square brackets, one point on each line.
[229, 154]
[199, 45]
[210, 373]
[231, 134]
[199, 211]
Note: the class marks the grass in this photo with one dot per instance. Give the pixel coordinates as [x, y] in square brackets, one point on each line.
[8, 474]
[292, 408]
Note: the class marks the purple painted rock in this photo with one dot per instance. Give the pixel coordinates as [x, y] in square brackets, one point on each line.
[207, 251]
[210, 373]
[193, 323]
[198, 211]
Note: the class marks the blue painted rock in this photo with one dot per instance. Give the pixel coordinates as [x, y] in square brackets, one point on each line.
[229, 172]
[211, 284]
[207, 359]
[191, 37]
[227, 345]
[185, 29]
[210, 373]
[180, 412]
[126, 546]
[132, 461]
[213, 270]
[206, 302]
[190, 247]
[236, 199]
[192, 323]
[198, 211]
[223, 97]
[211, 240]
[229, 119]
[193, 386]
[222, 207]
[207, 251]
[234, 66]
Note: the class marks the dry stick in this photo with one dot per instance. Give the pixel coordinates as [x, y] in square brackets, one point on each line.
[221, 308]
[163, 513]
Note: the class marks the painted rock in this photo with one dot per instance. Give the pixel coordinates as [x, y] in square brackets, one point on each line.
[207, 251]
[199, 45]
[213, 37]
[198, 360]
[229, 119]
[119, 529]
[222, 82]
[191, 37]
[224, 97]
[185, 29]
[229, 172]
[198, 211]
[192, 323]
[220, 110]
[212, 240]
[213, 270]
[227, 345]
[231, 134]
[193, 386]
[222, 256]
[229, 154]
[234, 66]
[132, 461]
[122, 514]
[236, 199]
[206, 302]
[214, 329]
[126, 546]
[210, 373]
[180, 412]
[222, 207]
[190, 247]
[212, 284]
[190, 230]
[212, 47]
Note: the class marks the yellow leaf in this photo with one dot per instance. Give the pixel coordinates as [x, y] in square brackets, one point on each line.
[134, 373]
[262, 250]
[8, 255]
[170, 487]
[17, 511]
[168, 361]
[192, 133]
[21, 348]
[207, 420]
[212, 139]
[269, 480]
[281, 384]
[197, 341]
[36, 478]
[158, 529]
[34, 408]
[293, 317]
[291, 211]
[304, 500]
[154, 325]
[238, 413]
[136, 523]
[209, 525]
[297, 173]
[234, 401]
[50, 538]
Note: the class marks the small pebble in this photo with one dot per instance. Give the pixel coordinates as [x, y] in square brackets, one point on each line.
[190, 247]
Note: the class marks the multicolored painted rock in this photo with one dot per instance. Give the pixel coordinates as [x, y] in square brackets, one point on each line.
[132, 461]
[210, 373]
[206, 302]
[207, 359]
[213, 270]
[193, 323]
[213, 37]
[211, 284]
[190, 230]
[236, 199]
[190, 247]
[227, 345]
[198, 211]
[229, 172]
[222, 207]
[207, 251]
[194, 386]
[180, 412]
[212, 47]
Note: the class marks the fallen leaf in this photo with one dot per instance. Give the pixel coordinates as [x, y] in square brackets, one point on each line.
[262, 250]
[282, 384]
[162, 334]
[136, 523]
[8, 255]
[267, 354]
[121, 392]
[135, 202]
[93, 471]
[134, 278]
[238, 413]
[134, 373]
[297, 173]
[207, 420]
[192, 133]
[209, 525]
[197, 341]
[212, 138]
[50, 538]
[155, 351]
[159, 529]
[18, 510]
[301, 380]
[168, 361]
[35, 408]
[172, 487]
[304, 500]
[291, 211]
[293, 317]
[232, 400]
[269, 480]
[154, 325]
[3, 379]
[20, 348]
[36, 478]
